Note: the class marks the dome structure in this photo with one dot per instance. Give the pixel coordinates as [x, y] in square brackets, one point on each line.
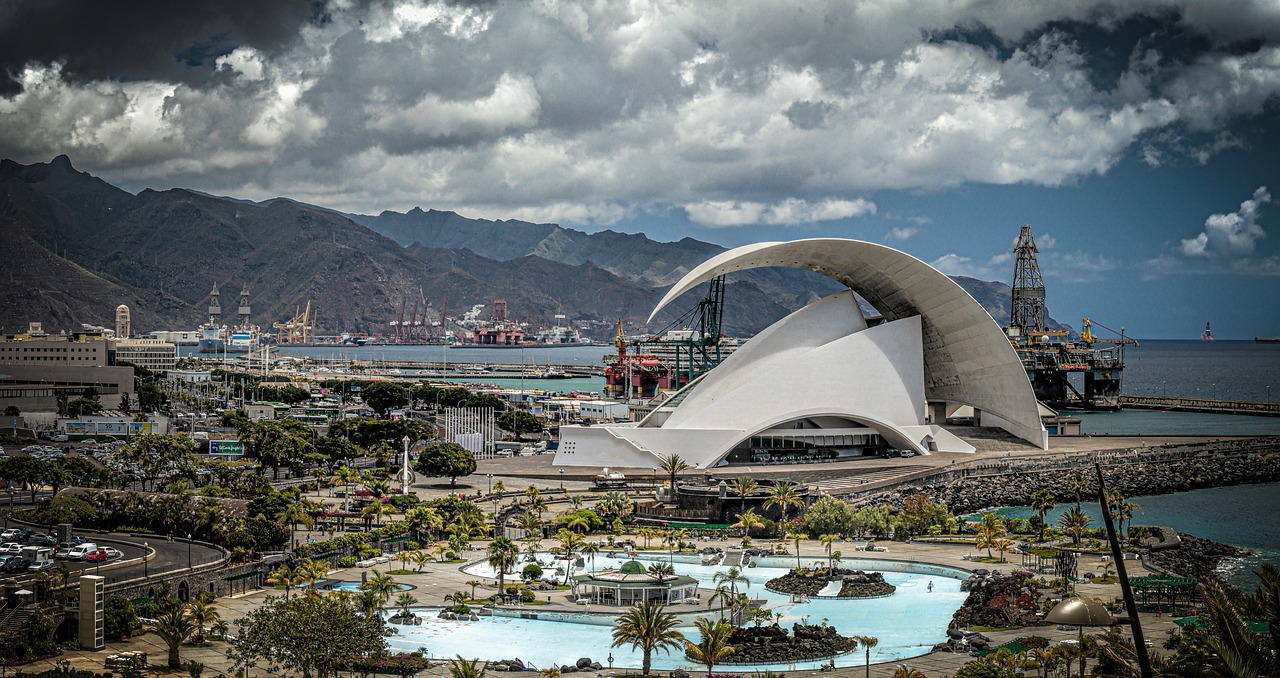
[823, 382]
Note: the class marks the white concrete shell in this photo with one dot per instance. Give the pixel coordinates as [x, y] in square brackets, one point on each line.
[824, 367]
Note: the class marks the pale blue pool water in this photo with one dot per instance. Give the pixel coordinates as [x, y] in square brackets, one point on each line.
[351, 586]
[908, 624]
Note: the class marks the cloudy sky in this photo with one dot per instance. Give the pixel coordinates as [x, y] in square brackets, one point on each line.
[1138, 137]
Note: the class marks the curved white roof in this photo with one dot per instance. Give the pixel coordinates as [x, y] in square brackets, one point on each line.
[967, 357]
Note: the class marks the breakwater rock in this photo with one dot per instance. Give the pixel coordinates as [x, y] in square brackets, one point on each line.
[1134, 474]
[998, 600]
[855, 584]
[772, 644]
[1193, 557]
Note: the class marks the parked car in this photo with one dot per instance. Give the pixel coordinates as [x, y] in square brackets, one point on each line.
[4, 558]
[18, 564]
[111, 552]
[96, 556]
[11, 547]
[79, 552]
[41, 540]
[42, 565]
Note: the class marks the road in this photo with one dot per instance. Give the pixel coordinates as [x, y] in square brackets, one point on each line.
[169, 556]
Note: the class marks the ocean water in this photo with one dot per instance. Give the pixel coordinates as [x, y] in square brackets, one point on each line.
[1244, 516]
[1227, 370]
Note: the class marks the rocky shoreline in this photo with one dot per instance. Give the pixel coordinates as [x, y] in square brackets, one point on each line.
[1135, 476]
[854, 584]
[773, 645]
[1193, 557]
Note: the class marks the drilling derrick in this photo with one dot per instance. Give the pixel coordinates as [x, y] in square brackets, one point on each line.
[1049, 356]
[1027, 314]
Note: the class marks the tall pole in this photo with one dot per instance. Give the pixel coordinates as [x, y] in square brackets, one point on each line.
[1131, 606]
[404, 472]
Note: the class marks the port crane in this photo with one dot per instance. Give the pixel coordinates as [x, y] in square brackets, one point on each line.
[298, 329]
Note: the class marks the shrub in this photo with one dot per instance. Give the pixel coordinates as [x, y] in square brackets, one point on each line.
[119, 618]
[531, 571]
[347, 561]
[527, 596]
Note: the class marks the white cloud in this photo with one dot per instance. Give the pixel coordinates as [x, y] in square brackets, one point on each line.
[746, 113]
[901, 233]
[790, 212]
[1234, 234]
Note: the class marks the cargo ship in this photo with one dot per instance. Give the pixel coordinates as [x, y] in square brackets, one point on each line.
[218, 338]
[1266, 340]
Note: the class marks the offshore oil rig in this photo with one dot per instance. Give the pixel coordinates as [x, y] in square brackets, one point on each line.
[1051, 358]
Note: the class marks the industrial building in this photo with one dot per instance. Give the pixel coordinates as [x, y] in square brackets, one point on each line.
[36, 369]
[823, 383]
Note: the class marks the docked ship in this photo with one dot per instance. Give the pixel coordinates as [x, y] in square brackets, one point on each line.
[560, 336]
[1207, 335]
[218, 338]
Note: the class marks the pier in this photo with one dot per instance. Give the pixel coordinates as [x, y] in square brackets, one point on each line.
[1207, 405]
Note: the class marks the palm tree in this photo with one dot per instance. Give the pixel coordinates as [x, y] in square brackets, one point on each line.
[575, 500]
[174, 627]
[660, 570]
[904, 671]
[672, 465]
[987, 530]
[462, 668]
[406, 600]
[867, 643]
[499, 487]
[420, 559]
[1075, 522]
[424, 519]
[827, 540]
[785, 494]
[293, 514]
[1126, 514]
[733, 576]
[532, 494]
[201, 614]
[714, 644]
[1002, 544]
[796, 537]
[368, 604]
[647, 533]
[346, 476]
[590, 549]
[285, 576]
[747, 520]
[375, 511]
[502, 557]
[575, 520]
[1042, 503]
[1045, 658]
[647, 626]
[528, 522]
[744, 486]
[1078, 483]
[569, 541]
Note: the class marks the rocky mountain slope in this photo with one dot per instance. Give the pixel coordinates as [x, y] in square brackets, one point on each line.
[83, 246]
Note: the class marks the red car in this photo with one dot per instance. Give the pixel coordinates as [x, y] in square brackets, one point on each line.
[95, 556]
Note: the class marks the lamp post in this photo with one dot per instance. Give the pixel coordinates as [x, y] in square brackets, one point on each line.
[561, 480]
[404, 472]
[146, 573]
[189, 538]
[488, 488]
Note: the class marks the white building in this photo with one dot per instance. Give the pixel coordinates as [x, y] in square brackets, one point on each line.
[603, 410]
[822, 383]
[151, 354]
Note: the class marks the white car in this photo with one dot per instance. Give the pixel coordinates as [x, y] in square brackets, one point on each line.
[11, 547]
[79, 552]
[112, 552]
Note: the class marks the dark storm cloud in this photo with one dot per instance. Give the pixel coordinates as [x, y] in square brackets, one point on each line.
[147, 39]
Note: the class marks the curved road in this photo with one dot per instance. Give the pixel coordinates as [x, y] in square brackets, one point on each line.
[169, 556]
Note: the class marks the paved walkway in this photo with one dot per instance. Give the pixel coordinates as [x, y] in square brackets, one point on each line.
[438, 580]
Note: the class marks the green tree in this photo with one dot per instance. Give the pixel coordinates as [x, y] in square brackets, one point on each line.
[463, 668]
[784, 494]
[744, 486]
[174, 627]
[1074, 522]
[155, 454]
[1078, 483]
[382, 396]
[24, 469]
[502, 557]
[519, 422]
[336, 450]
[312, 635]
[1042, 503]
[446, 460]
[987, 531]
[867, 642]
[613, 504]
[79, 406]
[713, 644]
[982, 669]
[648, 627]
[274, 444]
[12, 411]
[673, 464]
[119, 620]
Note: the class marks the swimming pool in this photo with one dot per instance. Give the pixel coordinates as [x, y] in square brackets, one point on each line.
[350, 586]
[907, 624]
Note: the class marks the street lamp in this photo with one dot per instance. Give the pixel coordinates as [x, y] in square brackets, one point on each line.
[146, 574]
[488, 477]
[189, 536]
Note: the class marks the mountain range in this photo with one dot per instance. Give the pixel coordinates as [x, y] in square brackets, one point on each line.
[80, 246]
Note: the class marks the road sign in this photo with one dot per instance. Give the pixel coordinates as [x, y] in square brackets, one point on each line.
[226, 447]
